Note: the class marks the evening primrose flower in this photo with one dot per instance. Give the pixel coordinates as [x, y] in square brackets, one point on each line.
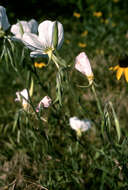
[121, 68]
[79, 125]
[23, 97]
[43, 43]
[82, 64]
[4, 24]
[44, 103]
[23, 26]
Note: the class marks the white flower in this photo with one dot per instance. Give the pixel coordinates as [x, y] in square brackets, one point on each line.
[79, 125]
[23, 26]
[44, 103]
[4, 24]
[82, 64]
[23, 98]
[42, 44]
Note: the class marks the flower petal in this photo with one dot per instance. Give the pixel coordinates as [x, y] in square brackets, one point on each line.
[119, 73]
[85, 125]
[30, 27]
[114, 68]
[45, 30]
[33, 25]
[82, 64]
[4, 24]
[75, 123]
[79, 125]
[31, 41]
[60, 35]
[126, 73]
[15, 29]
[37, 54]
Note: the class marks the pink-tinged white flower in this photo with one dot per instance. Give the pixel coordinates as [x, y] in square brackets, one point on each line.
[4, 24]
[23, 26]
[23, 97]
[82, 64]
[44, 103]
[42, 44]
[79, 125]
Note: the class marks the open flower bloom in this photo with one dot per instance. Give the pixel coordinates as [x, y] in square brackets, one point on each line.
[44, 103]
[42, 44]
[23, 26]
[4, 24]
[82, 64]
[23, 98]
[79, 125]
[121, 68]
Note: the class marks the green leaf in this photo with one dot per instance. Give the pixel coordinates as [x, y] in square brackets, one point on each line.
[117, 125]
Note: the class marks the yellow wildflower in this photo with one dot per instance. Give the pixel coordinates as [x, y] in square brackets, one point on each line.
[85, 33]
[39, 65]
[82, 45]
[97, 14]
[121, 68]
[77, 15]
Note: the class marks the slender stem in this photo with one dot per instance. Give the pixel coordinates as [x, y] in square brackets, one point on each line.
[99, 108]
[97, 101]
[54, 58]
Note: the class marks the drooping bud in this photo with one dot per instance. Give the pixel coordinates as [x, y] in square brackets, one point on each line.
[82, 64]
[44, 103]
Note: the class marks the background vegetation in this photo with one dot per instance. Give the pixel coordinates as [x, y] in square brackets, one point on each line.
[47, 154]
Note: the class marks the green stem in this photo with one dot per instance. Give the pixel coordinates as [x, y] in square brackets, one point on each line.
[54, 58]
[99, 108]
[97, 100]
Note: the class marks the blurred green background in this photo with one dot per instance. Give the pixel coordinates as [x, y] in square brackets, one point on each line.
[99, 28]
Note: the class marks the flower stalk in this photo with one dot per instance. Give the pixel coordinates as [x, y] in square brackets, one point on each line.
[99, 108]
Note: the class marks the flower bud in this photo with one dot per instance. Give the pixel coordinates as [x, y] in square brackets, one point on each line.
[82, 64]
[23, 98]
[44, 103]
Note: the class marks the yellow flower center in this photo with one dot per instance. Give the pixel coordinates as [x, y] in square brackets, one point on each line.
[49, 52]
